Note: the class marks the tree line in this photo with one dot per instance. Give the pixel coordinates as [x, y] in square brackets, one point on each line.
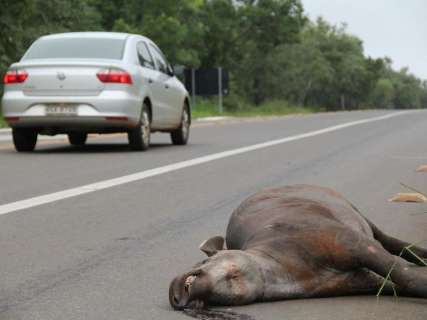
[270, 47]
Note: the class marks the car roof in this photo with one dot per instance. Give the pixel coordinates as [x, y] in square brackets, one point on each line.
[91, 34]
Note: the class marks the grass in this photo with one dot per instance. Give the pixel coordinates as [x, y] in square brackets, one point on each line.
[209, 108]
[3, 123]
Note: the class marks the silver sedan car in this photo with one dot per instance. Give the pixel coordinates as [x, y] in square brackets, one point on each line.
[94, 82]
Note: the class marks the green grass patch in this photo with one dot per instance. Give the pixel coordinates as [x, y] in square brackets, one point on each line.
[209, 108]
[3, 123]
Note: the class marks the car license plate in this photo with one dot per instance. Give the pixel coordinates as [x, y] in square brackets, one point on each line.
[61, 110]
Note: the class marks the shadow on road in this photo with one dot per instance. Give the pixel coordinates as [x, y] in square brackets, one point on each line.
[88, 148]
[97, 148]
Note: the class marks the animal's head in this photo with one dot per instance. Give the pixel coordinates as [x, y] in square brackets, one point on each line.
[227, 277]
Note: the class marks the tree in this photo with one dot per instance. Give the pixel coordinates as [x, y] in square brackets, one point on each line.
[264, 26]
[383, 94]
[408, 90]
[172, 24]
[270, 48]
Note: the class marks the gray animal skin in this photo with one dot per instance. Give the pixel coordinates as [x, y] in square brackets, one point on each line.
[298, 241]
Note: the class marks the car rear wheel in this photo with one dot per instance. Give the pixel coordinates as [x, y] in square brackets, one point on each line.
[139, 137]
[180, 136]
[77, 138]
[24, 139]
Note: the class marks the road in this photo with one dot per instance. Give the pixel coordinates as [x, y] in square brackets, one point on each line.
[111, 253]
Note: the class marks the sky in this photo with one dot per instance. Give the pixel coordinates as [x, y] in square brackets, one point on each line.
[392, 28]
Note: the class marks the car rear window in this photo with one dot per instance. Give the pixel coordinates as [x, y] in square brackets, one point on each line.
[76, 48]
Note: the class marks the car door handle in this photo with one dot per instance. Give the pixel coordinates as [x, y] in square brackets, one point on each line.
[166, 86]
[150, 80]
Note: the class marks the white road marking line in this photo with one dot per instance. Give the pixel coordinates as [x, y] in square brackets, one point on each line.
[73, 192]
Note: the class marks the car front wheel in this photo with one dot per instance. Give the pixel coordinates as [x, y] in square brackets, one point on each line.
[180, 136]
[139, 137]
[24, 139]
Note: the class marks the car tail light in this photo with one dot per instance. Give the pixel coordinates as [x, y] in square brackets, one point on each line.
[15, 76]
[114, 76]
[11, 119]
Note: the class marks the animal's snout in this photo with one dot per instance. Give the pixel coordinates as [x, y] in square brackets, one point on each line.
[179, 293]
[187, 291]
[177, 303]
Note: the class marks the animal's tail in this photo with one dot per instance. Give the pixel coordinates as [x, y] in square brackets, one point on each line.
[407, 251]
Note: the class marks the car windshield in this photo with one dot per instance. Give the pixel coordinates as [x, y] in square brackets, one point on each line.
[76, 48]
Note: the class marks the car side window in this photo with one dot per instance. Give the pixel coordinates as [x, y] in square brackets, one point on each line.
[144, 56]
[160, 60]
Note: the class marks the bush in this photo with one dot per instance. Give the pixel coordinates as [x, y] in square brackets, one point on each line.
[235, 103]
[236, 106]
[205, 107]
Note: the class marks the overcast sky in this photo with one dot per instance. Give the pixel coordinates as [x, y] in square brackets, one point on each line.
[393, 28]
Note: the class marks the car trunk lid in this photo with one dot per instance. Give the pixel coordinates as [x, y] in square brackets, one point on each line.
[63, 78]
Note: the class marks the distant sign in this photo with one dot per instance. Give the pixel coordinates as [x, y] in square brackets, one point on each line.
[206, 81]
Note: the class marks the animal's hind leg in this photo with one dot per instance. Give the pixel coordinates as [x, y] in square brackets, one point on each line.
[359, 282]
[399, 247]
[371, 255]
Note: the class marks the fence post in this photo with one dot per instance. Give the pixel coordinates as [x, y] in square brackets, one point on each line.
[220, 90]
[193, 86]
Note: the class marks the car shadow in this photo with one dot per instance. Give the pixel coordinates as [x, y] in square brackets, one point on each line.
[97, 148]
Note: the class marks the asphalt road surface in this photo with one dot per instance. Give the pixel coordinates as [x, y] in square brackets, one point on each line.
[76, 243]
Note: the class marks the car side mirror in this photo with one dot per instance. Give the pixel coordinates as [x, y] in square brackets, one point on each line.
[171, 72]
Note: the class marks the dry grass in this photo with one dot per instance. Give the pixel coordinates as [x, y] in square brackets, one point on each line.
[401, 196]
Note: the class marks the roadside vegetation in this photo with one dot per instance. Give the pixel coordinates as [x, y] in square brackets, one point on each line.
[209, 107]
[273, 52]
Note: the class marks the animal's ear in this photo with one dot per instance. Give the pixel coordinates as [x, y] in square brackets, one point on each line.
[212, 245]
